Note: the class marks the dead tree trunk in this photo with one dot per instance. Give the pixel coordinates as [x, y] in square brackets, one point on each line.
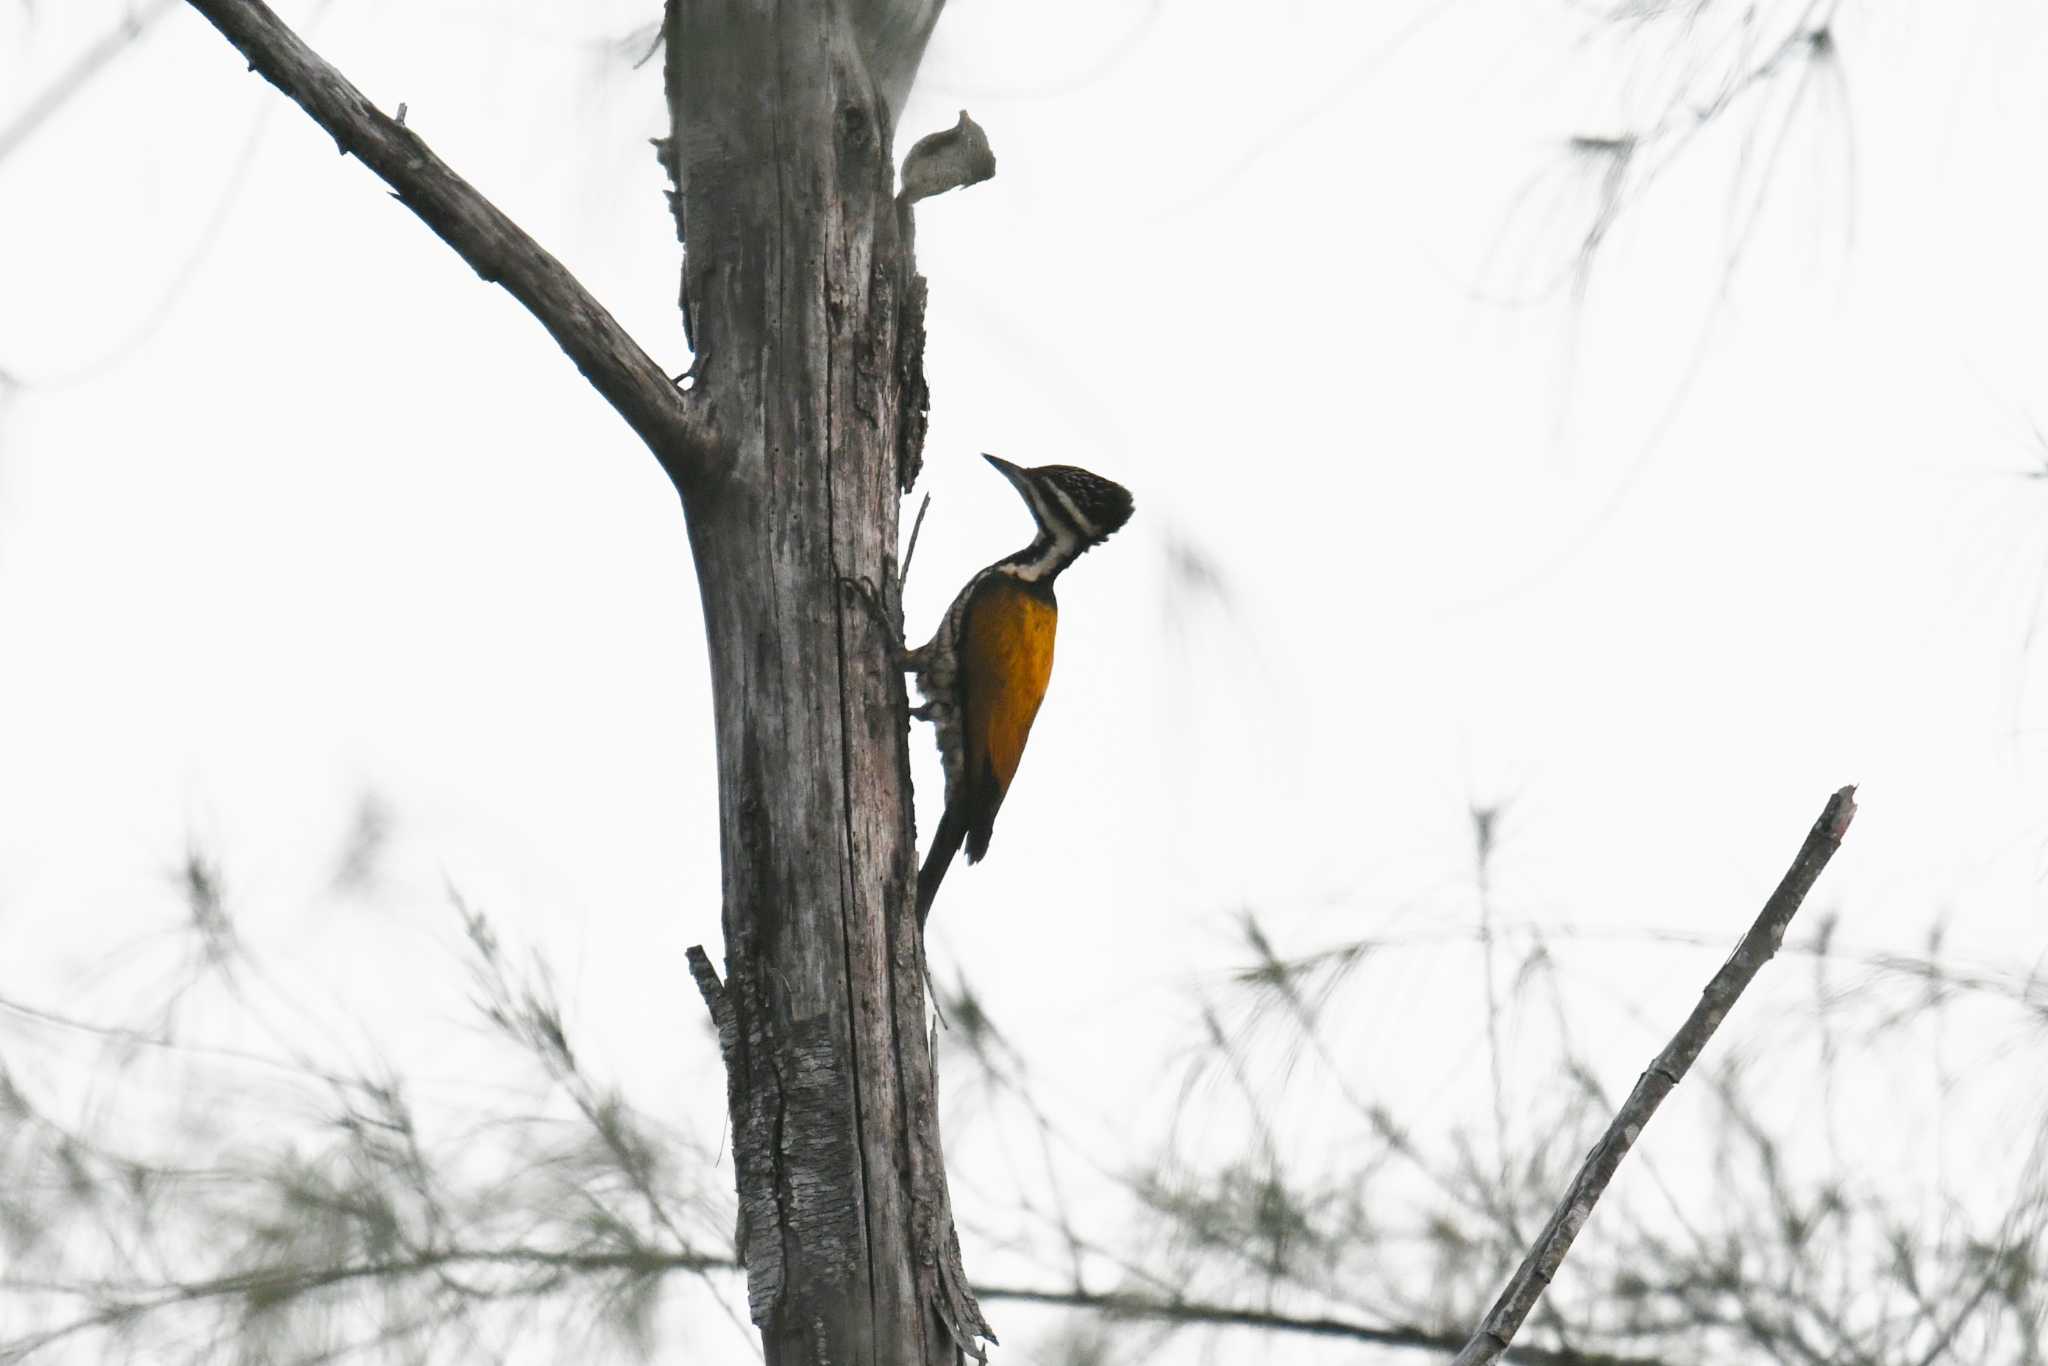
[806, 315]
[803, 427]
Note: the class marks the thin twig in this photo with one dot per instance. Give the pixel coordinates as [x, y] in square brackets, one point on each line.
[1665, 1071]
[903, 577]
[494, 246]
[1485, 829]
[1228, 1316]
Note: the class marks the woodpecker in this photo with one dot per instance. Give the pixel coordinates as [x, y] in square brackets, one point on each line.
[984, 672]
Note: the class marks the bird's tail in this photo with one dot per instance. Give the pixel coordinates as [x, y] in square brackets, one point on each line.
[945, 843]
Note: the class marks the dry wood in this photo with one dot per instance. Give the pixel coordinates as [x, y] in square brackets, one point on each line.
[807, 311]
[1665, 1071]
[804, 423]
[495, 247]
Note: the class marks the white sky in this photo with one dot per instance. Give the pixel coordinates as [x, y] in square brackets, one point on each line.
[1660, 573]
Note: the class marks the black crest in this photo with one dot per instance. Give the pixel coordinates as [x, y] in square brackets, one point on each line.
[1103, 505]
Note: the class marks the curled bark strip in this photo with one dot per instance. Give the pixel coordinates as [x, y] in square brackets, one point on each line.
[950, 159]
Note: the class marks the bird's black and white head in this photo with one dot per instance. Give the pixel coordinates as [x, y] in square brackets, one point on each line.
[1075, 510]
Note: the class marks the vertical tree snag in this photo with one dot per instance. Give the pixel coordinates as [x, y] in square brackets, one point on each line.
[805, 311]
[803, 427]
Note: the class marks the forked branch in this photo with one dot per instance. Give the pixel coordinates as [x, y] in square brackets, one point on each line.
[493, 245]
[1665, 1071]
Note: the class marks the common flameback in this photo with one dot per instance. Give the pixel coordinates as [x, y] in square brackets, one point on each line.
[985, 671]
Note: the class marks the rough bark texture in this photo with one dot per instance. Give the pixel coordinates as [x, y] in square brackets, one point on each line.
[806, 313]
[805, 424]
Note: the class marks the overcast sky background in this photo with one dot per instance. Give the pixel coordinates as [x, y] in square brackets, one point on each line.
[296, 516]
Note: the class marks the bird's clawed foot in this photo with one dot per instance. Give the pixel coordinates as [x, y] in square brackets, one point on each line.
[863, 588]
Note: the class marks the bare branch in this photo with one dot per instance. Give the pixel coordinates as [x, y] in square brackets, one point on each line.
[1665, 1071]
[493, 245]
[903, 575]
[1229, 1316]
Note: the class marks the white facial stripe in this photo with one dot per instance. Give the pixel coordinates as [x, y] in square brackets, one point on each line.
[1041, 510]
[1060, 547]
[1063, 531]
[1073, 518]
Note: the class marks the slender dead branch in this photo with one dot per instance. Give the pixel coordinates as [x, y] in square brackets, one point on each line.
[1665, 1071]
[493, 245]
[1229, 1316]
[903, 575]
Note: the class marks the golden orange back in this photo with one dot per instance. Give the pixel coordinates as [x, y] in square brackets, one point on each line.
[1006, 660]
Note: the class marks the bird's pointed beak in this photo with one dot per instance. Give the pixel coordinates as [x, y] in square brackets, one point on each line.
[1013, 473]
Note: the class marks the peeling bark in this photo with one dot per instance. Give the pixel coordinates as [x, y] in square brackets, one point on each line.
[807, 314]
[803, 427]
